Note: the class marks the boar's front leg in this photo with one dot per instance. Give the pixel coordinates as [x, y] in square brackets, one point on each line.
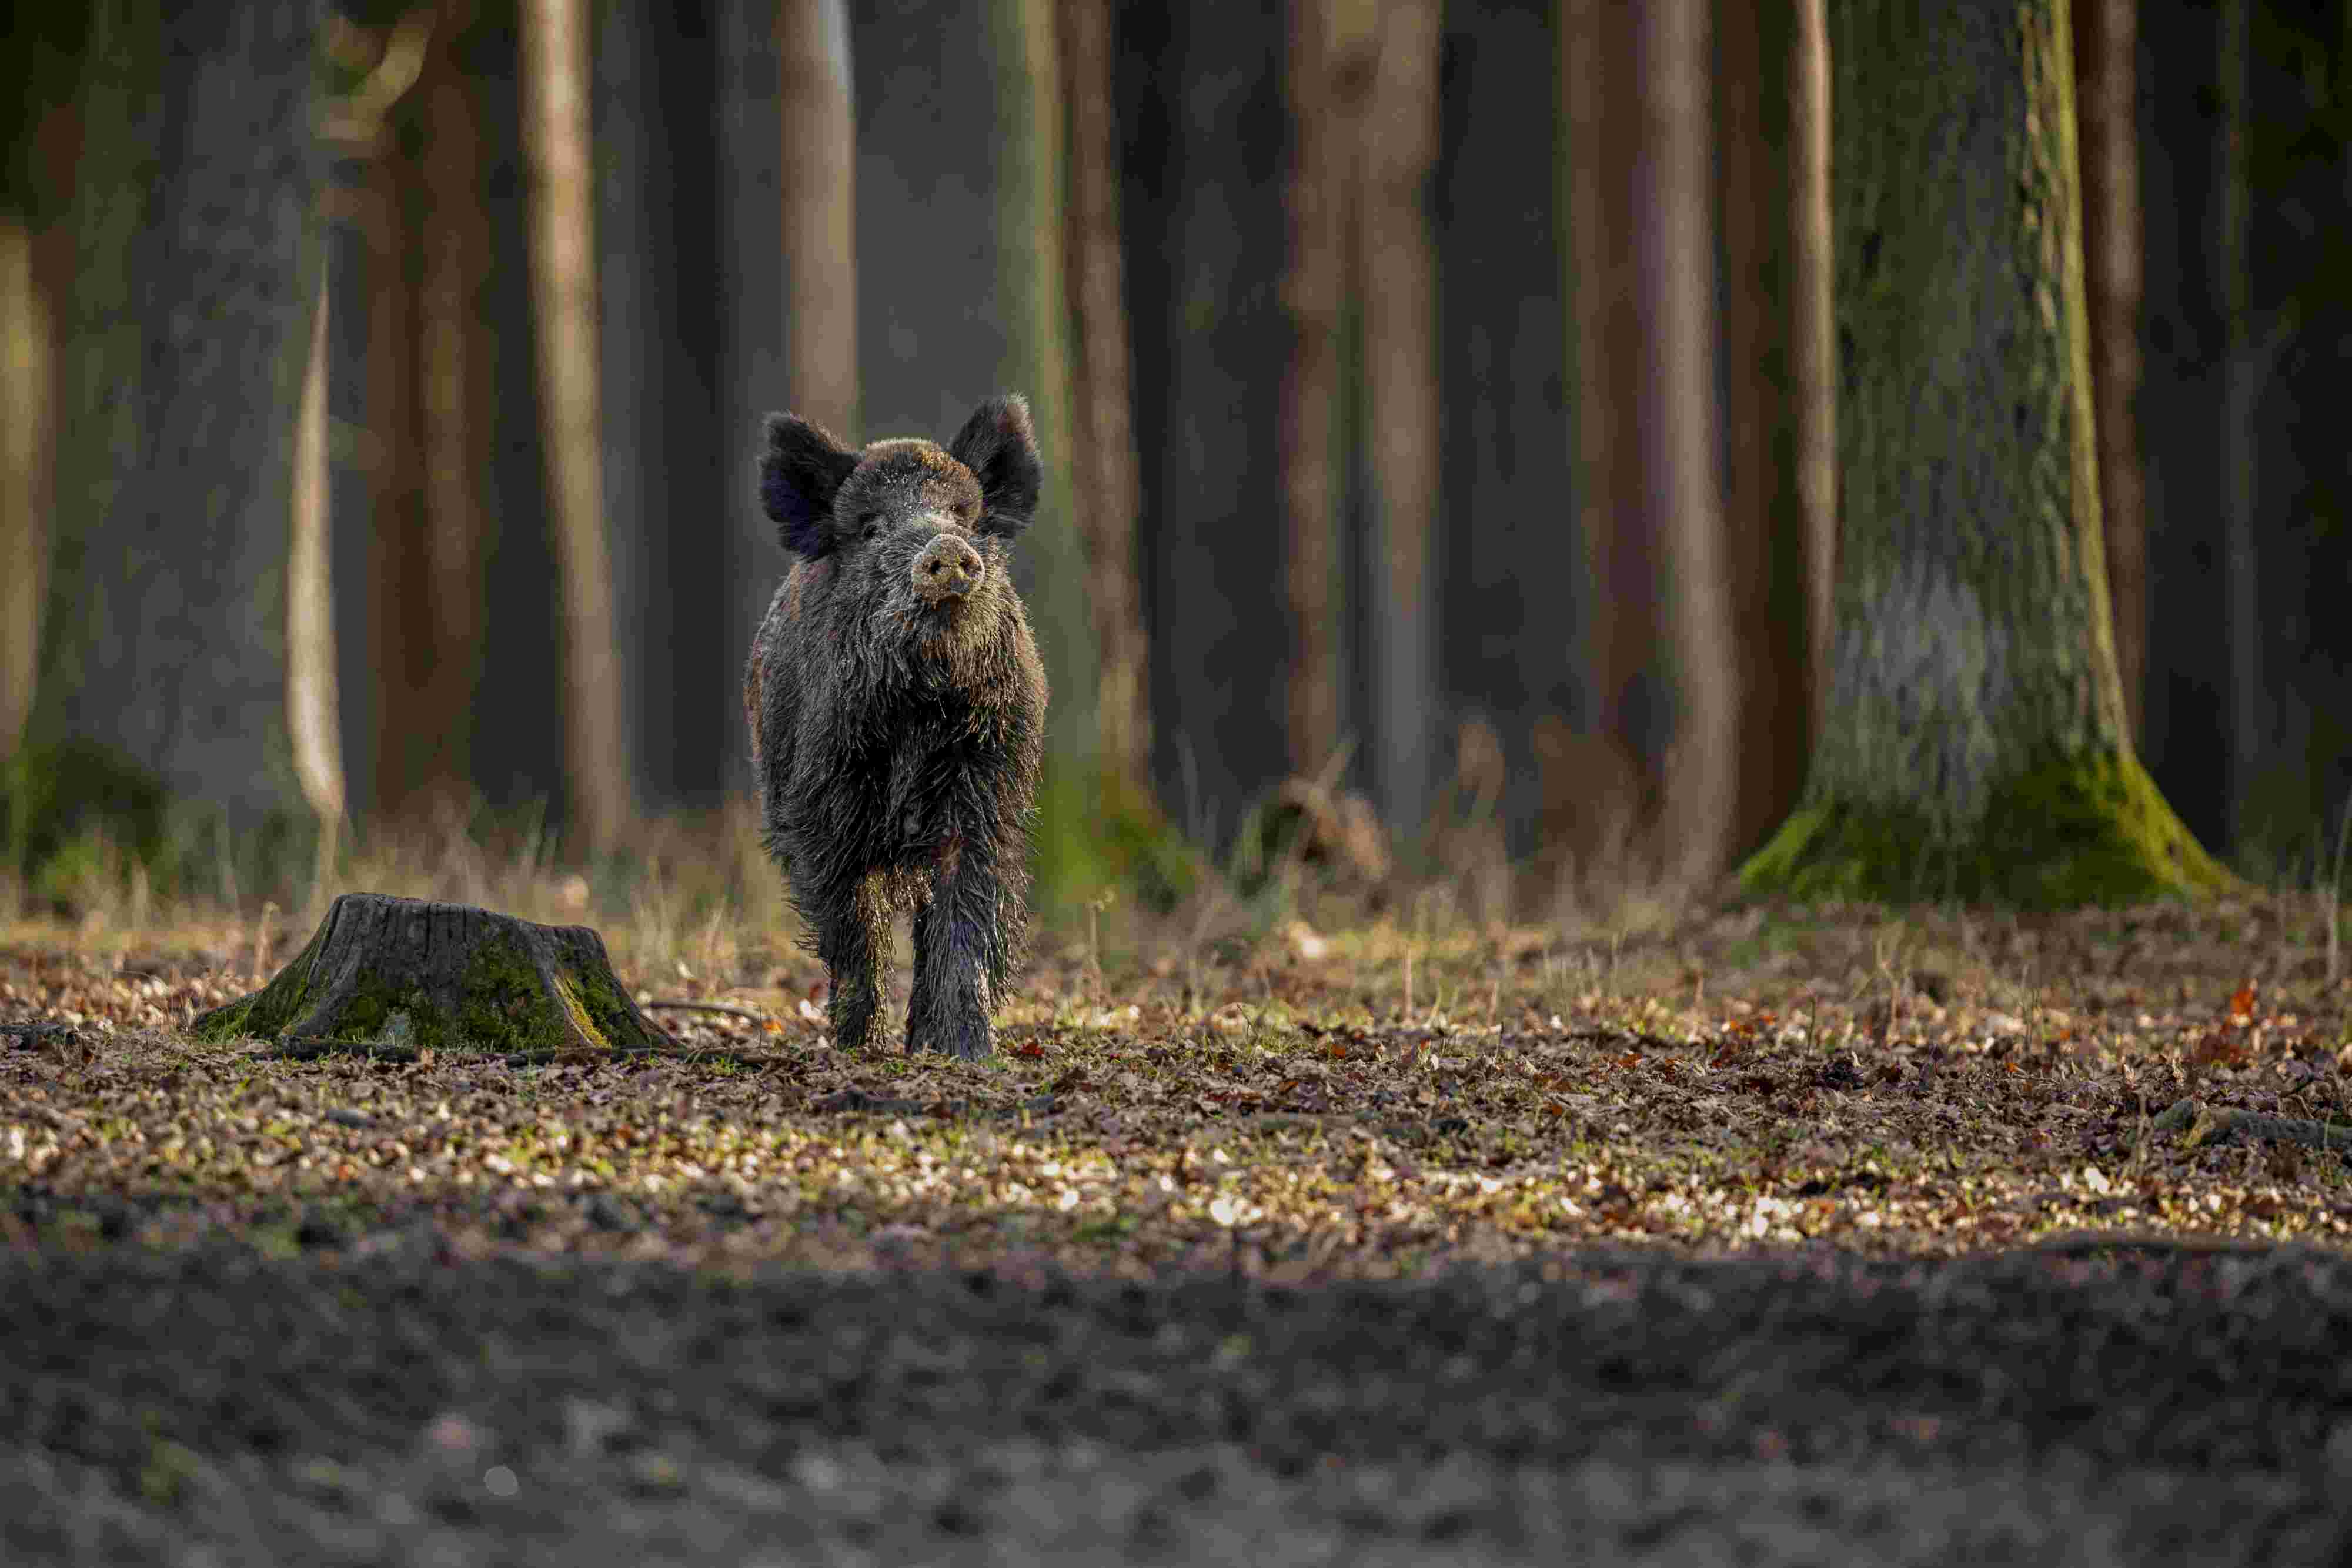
[853, 940]
[958, 946]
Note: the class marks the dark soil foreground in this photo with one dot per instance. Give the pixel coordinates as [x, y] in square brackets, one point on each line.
[387, 1404]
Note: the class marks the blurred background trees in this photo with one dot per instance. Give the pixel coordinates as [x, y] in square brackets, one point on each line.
[1441, 401]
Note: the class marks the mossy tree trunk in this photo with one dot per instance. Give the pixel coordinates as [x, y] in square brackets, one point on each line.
[403, 974]
[180, 348]
[1974, 743]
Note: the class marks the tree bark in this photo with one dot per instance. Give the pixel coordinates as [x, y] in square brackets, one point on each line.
[1032, 288]
[313, 715]
[1396, 266]
[1680, 502]
[1975, 743]
[819, 202]
[2241, 373]
[179, 363]
[1765, 203]
[1508, 558]
[427, 367]
[1206, 144]
[1313, 291]
[2106, 50]
[402, 974]
[1614, 756]
[27, 387]
[1813, 334]
[554, 61]
[1102, 462]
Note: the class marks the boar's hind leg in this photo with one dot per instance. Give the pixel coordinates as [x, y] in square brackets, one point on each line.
[853, 940]
[958, 948]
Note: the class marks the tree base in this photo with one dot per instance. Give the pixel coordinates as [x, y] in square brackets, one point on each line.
[405, 973]
[2093, 831]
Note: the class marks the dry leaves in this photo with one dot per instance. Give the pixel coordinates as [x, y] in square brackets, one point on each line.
[1924, 1085]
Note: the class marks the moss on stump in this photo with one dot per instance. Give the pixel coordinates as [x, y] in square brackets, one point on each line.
[2094, 831]
[403, 974]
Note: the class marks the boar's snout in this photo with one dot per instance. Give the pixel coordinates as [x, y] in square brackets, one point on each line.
[948, 569]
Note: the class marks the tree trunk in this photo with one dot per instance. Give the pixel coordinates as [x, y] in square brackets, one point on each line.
[1396, 120]
[818, 201]
[1314, 291]
[1680, 500]
[2106, 50]
[2248, 703]
[1764, 203]
[427, 367]
[27, 386]
[1206, 153]
[179, 363]
[1033, 291]
[313, 715]
[403, 976]
[1102, 445]
[1614, 759]
[665, 183]
[1812, 344]
[753, 359]
[2186, 737]
[1507, 560]
[1975, 744]
[554, 71]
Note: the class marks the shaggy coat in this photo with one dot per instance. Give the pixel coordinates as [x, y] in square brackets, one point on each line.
[897, 706]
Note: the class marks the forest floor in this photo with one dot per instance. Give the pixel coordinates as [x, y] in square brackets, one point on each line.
[1740, 1235]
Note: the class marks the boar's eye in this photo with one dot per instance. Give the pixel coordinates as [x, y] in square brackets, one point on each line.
[869, 526]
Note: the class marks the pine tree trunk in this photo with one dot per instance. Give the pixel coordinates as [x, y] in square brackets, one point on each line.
[27, 388]
[1679, 499]
[429, 363]
[1033, 290]
[1314, 288]
[180, 358]
[1509, 555]
[1206, 152]
[1397, 282]
[819, 204]
[1813, 343]
[2106, 50]
[2249, 701]
[1102, 451]
[1760, 60]
[554, 70]
[313, 712]
[1614, 760]
[1974, 744]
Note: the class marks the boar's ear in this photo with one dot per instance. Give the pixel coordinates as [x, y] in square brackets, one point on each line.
[800, 472]
[999, 445]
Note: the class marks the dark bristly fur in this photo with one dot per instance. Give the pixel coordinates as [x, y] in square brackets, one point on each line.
[896, 706]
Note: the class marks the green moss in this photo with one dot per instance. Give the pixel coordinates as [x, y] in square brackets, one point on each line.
[600, 1011]
[269, 1009]
[501, 1003]
[2086, 831]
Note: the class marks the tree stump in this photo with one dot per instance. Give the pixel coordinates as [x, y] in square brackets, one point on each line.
[401, 975]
